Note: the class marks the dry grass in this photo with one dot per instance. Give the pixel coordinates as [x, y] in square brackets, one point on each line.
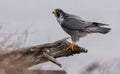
[8, 59]
[8, 43]
[12, 41]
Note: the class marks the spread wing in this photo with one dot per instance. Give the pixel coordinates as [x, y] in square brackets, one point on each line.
[74, 24]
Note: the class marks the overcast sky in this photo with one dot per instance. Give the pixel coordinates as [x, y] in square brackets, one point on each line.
[36, 15]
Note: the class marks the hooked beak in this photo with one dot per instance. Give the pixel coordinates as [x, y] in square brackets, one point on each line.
[55, 11]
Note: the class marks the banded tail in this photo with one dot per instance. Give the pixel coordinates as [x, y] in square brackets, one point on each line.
[96, 28]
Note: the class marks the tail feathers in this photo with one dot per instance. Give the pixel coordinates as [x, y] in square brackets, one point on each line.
[102, 30]
[98, 24]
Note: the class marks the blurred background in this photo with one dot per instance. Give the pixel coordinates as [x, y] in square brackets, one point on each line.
[33, 22]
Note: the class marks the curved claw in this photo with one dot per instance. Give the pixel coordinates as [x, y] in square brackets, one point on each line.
[70, 46]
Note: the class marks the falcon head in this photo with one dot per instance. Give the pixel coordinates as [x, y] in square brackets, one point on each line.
[60, 15]
[58, 12]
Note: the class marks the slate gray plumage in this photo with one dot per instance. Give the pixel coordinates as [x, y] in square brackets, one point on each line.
[76, 27]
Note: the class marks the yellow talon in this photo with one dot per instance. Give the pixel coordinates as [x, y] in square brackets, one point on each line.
[70, 46]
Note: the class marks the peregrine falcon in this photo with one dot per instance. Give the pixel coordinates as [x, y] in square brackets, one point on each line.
[76, 27]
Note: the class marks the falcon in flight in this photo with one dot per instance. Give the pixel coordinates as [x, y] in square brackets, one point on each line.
[76, 27]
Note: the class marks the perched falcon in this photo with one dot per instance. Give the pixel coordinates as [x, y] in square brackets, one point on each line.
[76, 27]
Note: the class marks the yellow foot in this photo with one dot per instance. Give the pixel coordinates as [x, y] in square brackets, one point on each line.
[70, 46]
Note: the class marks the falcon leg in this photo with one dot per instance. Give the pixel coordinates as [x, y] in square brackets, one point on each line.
[70, 46]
